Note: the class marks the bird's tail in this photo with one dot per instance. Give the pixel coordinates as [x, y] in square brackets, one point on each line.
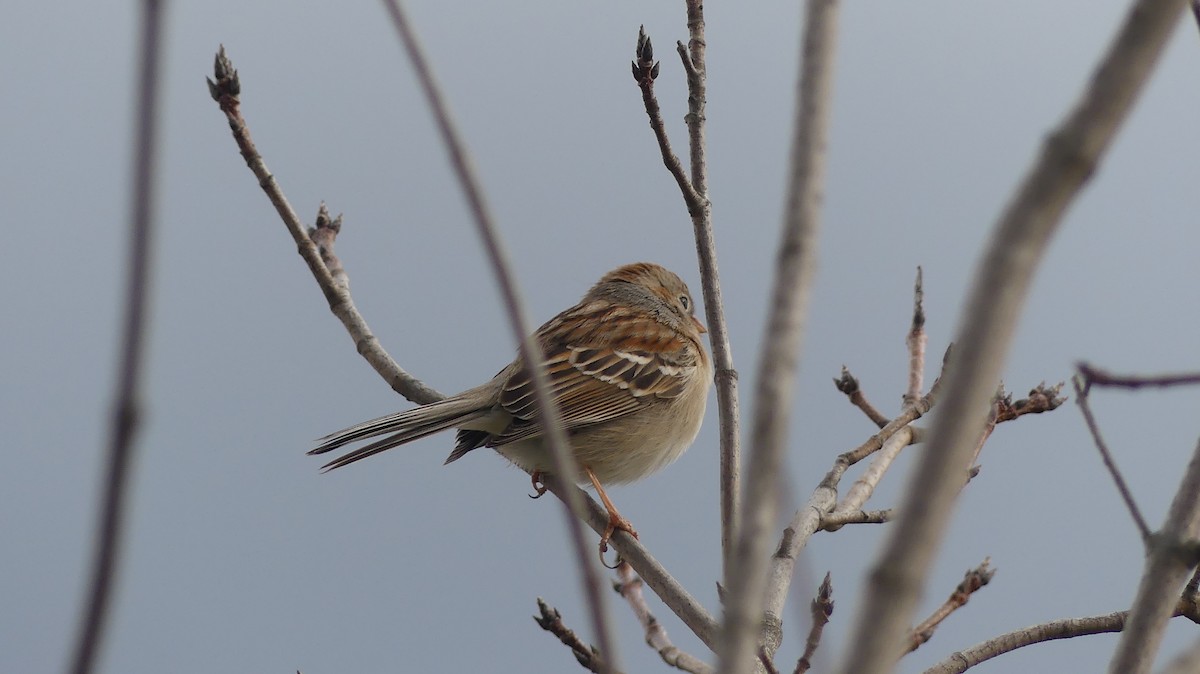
[404, 426]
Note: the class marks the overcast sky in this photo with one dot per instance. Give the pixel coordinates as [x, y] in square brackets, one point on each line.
[241, 557]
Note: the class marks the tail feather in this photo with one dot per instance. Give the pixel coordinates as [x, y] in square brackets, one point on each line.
[406, 426]
[396, 440]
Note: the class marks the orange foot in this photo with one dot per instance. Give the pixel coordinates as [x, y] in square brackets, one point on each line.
[615, 521]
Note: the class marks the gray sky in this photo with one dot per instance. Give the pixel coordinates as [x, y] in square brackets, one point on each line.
[242, 558]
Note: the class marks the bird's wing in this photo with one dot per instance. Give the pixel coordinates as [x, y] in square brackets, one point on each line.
[600, 376]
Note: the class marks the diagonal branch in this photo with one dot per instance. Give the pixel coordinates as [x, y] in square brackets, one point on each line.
[1069, 157]
[973, 580]
[1082, 399]
[629, 585]
[313, 249]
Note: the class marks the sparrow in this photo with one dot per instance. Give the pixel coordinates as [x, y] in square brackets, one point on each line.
[626, 367]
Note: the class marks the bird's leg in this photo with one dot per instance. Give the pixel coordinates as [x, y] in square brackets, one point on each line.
[539, 487]
[615, 521]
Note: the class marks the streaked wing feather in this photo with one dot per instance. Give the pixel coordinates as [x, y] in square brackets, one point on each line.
[593, 384]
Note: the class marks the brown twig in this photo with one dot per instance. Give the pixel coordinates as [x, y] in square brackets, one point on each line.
[1041, 399]
[972, 581]
[848, 384]
[916, 341]
[821, 609]
[550, 619]
[629, 586]
[645, 71]
[768, 665]
[126, 405]
[225, 90]
[1082, 399]
[1067, 628]
[1097, 377]
[695, 197]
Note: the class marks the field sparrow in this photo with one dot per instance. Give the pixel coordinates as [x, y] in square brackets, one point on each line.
[626, 367]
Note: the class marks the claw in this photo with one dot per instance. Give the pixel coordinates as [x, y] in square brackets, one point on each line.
[539, 487]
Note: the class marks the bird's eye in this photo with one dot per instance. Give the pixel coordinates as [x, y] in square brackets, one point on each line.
[685, 302]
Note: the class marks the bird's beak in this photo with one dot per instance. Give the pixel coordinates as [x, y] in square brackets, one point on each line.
[699, 325]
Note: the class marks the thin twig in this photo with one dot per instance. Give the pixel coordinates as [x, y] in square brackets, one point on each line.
[314, 244]
[562, 460]
[1067, 628]
[779, 360]
[973, 580]
[550, 619]
[916, 342]
[1082, 399]
[821, 609]
[848, 384]
[838, 519]
[695, 197]
[645, 71]
[629, 586]
[126, 409]
[807, 520]
[1098, 377]
[1019, 239]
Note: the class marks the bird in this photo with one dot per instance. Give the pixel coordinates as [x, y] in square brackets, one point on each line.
[626, 367]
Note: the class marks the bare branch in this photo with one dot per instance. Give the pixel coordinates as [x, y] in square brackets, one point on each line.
[562, 459]
[126, 405]
[1097, 377]
[1066, 628]
[807, 520]
[839, 518]
[550, 619]
[821, 609]
[629, 586]
[862, 489]
[747, 576]
[972, 581]
[1020, 237]
[331, 280]
[848, 384]
[1081, 398]
[645, 71]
